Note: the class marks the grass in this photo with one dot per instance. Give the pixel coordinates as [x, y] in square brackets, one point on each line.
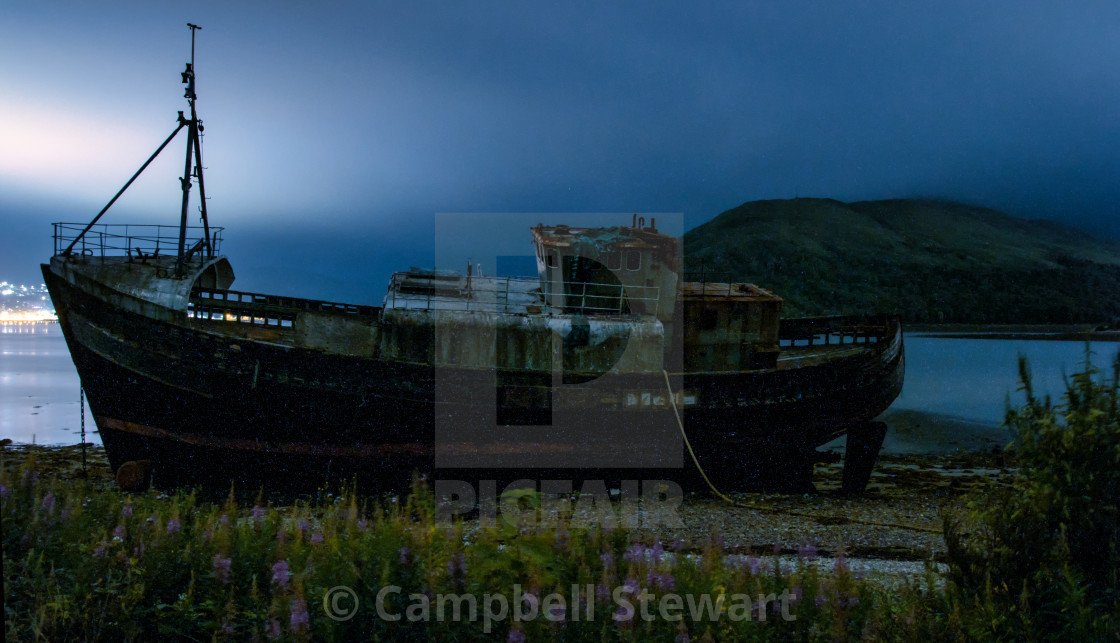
[1036, 560]
[85, 561]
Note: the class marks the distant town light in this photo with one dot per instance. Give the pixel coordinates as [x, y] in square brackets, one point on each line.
[25, 316]
[25, 304]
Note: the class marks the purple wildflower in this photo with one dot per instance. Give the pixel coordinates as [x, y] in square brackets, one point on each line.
[303, 526]
[608, 560]
[299, 614]
[222, 568]
[280, 574]
[667, 582]
[632, 586]
[362, 524]
[99, 552]
[405, 554]
[663, 581]
[5, 492]
[65, 514]
[173, 526]
[126, 511]
[515, 636]
[635, 552]
[754, 564]
[682, 637]
[558, 612]
[657, 551]
[119, 532]
[257, 513]
[48, 502]
[678, 545]
[796, 594]
[317, 538]
[273, 629]
[624, 614]
[457, 565]
[30, 478]
[602, 593]
[224, 520]
[808, 552]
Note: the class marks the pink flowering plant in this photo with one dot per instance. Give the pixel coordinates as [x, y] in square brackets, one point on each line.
[85, 561]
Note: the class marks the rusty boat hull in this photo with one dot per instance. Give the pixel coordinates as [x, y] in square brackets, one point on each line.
[215, 399]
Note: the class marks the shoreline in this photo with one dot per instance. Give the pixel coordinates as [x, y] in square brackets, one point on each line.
[1053, 332]
[907, 488]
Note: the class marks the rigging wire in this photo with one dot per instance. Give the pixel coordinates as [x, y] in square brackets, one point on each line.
[766, 507]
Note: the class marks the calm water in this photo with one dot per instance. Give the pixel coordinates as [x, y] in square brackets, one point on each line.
[972, 378]
[966, 378]
[39, 388]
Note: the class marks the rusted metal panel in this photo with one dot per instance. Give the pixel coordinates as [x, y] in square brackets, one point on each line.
[729, 326]
[150, 281]
[522, 342]
[638, 258]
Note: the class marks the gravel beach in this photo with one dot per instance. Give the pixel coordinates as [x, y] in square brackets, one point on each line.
[927, 464]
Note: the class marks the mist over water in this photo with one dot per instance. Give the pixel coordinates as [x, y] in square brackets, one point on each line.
[970, 379]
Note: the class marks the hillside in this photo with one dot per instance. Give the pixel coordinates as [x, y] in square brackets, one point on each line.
[929, 261]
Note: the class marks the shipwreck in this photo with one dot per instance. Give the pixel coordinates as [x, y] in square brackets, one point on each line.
[608, 362]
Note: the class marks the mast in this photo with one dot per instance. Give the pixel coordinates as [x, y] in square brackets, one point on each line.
[194, 152]
[194, 126]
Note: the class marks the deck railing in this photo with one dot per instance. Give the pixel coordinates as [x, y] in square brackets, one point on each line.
[122, 239]
[515, 294]
[263, 310]
[812, 331]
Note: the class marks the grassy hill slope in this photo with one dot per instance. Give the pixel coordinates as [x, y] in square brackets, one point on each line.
[930, 261]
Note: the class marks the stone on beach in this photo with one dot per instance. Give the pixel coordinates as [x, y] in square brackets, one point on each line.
[135, 475]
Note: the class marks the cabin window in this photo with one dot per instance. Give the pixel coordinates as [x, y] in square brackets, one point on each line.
[612, 260]
[553, 259]
[633, 260]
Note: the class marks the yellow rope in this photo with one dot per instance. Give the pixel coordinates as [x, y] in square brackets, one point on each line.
[762, 507]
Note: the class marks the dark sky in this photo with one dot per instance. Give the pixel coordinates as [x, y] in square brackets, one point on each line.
[335, 132]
